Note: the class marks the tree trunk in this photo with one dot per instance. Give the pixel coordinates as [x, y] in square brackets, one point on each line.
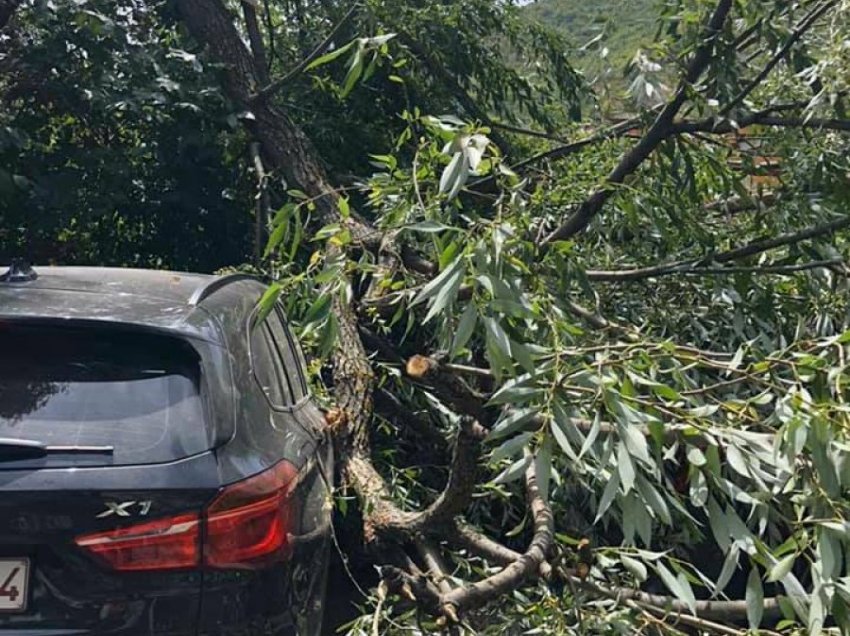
[288, 150]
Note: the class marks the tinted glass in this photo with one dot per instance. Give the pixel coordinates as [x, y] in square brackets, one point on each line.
[276, 360]
[285, 347]
[266, 367]
[135, 392]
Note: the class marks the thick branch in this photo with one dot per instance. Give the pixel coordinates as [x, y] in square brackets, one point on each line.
[285, 145]
[656, 134]
[480, 544]
[451, 389]
[516, 573]
[694, 265]
[462, 478]
[385, 519]
[715, 610]
[434, 563]
[763, 118]
[255, 37]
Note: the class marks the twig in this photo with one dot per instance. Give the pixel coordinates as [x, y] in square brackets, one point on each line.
[376, 617]
[716, 610]
[434, 563]
[262, 202]
[766, 269]
[763, 118]
[694, 265]
[299, 68]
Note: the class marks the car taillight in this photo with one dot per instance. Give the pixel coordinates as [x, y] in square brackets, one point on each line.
[247, 525]
[250, 522]
[164, 544]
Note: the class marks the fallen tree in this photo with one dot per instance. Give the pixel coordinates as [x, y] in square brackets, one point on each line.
[632, 407]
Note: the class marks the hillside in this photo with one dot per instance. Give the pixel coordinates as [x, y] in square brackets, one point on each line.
[624, 26]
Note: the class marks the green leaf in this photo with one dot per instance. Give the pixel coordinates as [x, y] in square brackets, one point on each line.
[730, 566]
[514, 393]
[737, 461]
[429, 227]
[318, 309]
[454, 176]
[781, 568]
[830, 553]
[498, 335]
[755, 599]
[654, 500]
[625, 468]
[329, 335]
[344, 207]
[465, 328]
[512, 422]
[267, 302]
[608, 495]
[636, 443]
[514, 471]
[695, 457]
[355, 70]
[522, 354]
[591, 435]
[434, 286]
[543, 467]
[446, 295]
[511, 447]
[635, 567]
[329, 57]
[678, 586]
[562, 439]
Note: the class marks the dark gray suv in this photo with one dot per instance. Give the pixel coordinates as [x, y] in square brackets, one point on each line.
[163, 468]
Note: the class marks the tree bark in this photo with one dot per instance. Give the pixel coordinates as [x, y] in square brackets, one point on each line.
[285, 145]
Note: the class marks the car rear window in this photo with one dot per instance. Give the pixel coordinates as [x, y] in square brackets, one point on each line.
[136, 392]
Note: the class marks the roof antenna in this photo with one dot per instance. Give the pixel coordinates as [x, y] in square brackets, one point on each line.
[19, 271]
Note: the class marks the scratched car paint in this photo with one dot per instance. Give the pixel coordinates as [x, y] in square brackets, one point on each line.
[163, 468]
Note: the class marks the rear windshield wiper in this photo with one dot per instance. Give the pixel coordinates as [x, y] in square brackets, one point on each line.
[18, 449]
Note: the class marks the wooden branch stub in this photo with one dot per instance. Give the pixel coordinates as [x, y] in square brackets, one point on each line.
[336, 421]
[419, 366]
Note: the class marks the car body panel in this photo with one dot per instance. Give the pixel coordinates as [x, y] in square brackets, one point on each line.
[43, 508]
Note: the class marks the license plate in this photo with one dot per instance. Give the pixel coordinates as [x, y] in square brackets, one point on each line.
[14, 584]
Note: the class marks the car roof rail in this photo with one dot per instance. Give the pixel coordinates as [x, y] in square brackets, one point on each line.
[210, 287]
[20, 271]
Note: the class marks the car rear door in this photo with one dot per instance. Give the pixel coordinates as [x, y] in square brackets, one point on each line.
[105, 468]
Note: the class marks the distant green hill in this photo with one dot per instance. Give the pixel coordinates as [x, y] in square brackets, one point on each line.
[624, 26]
